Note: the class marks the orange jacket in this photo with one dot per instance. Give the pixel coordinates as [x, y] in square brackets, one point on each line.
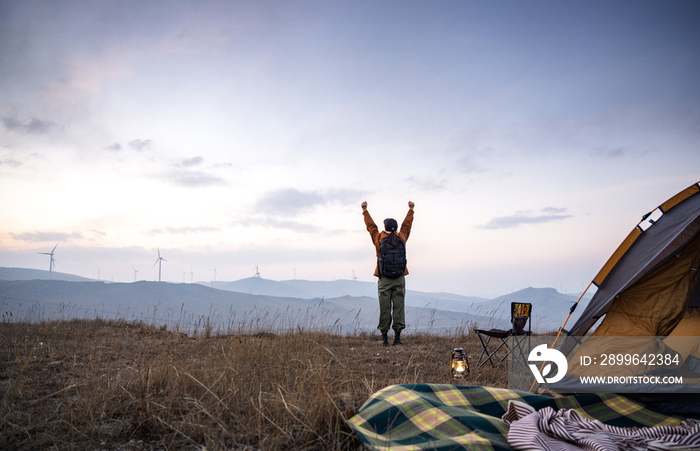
[378, 236]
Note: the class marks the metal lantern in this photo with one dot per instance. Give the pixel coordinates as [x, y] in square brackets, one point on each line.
[460, 364]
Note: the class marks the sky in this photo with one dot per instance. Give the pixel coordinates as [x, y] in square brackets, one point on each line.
[532, 136]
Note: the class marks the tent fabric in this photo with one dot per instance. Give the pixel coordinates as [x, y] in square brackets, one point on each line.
[688, 327]
[684, 340]
[447, 417]
[641, 254]
[648, 289]
[616, 256]
[694, 301]
[655, 305]
[680, 197]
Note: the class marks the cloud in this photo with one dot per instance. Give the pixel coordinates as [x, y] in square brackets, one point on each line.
[32, 126]
[274, 209]
[40, 237]
[292, 202]
[289, 202]
[553, 211]
[189, 162]
[469, 164]
[10, 162]
[116, 147]
[94, 236]
[193, 179]
[183, 230]
[428, 183]
[272, 223]
[469, 155]
[549, 214]
[609, 154]
[140, 145]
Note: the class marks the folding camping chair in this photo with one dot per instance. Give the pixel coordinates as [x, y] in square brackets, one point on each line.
[520, 314]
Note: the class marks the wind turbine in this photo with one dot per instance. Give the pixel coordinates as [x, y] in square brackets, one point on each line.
[212, 283]
[257, 273]
[158, 262]
[191, 276]
[52, 262]
[135, 272]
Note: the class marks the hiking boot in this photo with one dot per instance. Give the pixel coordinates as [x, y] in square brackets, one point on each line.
[385, 339]
[397, 339]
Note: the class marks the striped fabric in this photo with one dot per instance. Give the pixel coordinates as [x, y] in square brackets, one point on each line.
[567, 430]
[448, 417]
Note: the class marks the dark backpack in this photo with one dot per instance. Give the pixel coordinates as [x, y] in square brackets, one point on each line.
[392, 259]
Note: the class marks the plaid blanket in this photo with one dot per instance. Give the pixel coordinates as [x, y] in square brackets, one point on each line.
[449, 417]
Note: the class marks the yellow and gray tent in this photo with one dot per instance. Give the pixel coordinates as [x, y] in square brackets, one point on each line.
[648, 284]
[648, 288]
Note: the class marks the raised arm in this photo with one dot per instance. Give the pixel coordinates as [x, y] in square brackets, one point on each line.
[407, 222]
[369, 222]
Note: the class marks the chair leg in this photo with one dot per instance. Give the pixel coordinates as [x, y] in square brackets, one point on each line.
[518, 350]
[492, 353]
[485, 346]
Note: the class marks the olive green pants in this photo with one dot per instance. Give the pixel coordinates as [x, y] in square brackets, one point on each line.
[392, 293]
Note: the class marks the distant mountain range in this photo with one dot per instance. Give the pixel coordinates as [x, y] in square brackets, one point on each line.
[343, 305]
[307, 289]
[38, 274]
[550, 307]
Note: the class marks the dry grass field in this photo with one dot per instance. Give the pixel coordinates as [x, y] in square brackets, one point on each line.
[103, 385]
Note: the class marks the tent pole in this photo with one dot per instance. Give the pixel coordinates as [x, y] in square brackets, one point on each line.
[573, 307]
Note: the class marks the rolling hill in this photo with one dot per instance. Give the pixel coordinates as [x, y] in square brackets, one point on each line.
[32, 274]
[308, 289]
[263, 303]
[193, 306]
